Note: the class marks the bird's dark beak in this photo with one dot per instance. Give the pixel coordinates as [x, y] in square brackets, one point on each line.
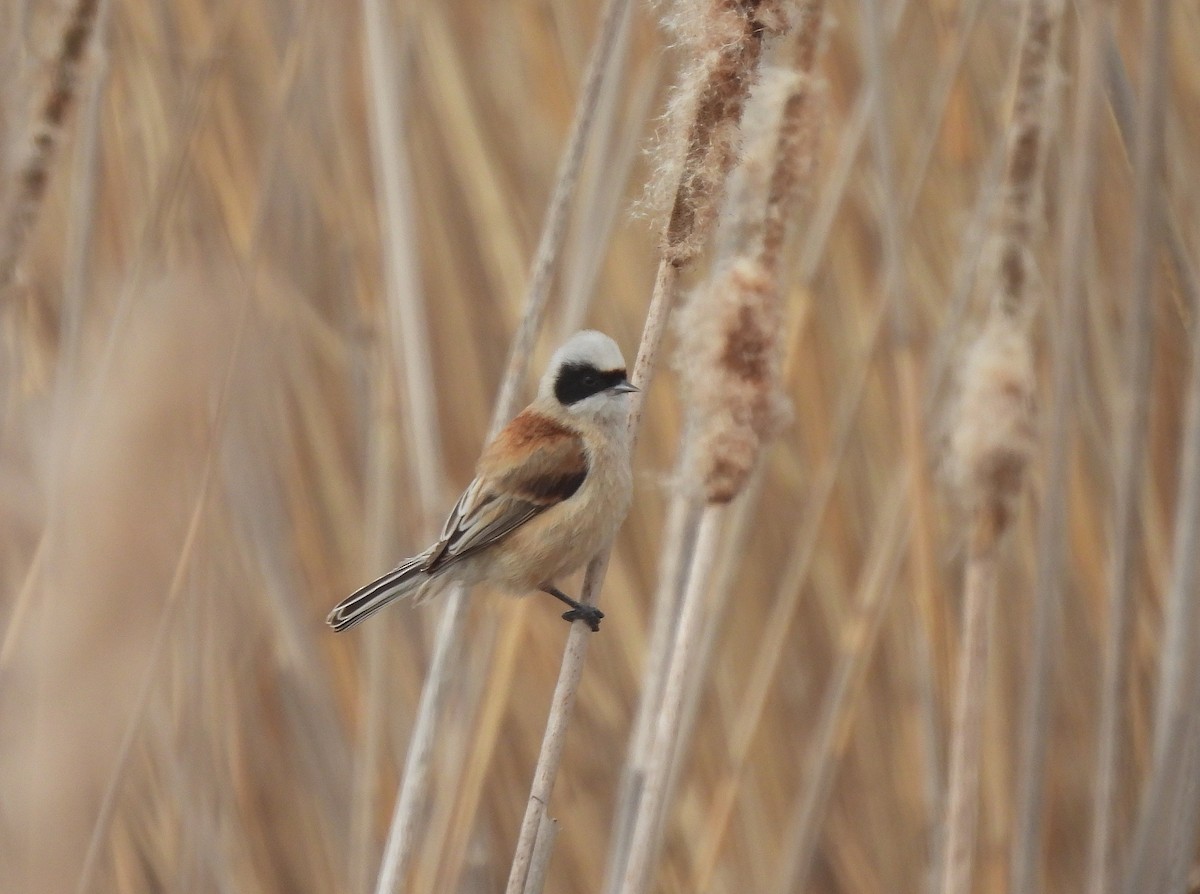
[625, 387]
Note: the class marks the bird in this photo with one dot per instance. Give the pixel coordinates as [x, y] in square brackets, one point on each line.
[550, 491]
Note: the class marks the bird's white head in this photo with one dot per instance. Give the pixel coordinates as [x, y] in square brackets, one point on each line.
[587, 377]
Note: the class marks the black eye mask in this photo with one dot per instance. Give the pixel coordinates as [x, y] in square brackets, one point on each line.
[577, 381]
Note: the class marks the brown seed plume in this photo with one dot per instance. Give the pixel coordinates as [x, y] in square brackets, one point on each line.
[994, 439]
[731, 351]
[701, 143]
[25, 193]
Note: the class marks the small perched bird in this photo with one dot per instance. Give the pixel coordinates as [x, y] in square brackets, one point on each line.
[549, 493]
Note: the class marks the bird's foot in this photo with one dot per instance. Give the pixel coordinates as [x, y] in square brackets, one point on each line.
[580, 611]
[589, 614]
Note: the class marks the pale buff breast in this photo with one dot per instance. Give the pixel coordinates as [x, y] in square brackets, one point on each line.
[561, 540]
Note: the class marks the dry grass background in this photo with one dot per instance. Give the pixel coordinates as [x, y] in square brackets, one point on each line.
[206, 439]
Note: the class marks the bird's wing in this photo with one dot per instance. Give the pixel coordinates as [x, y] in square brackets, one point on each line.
[532, 464]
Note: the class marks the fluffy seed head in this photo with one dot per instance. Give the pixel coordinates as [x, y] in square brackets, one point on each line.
[780, 131]
[730, 358]
[701, 141]
[993, 437]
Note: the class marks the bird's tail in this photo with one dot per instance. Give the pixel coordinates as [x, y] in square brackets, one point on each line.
[405, 579]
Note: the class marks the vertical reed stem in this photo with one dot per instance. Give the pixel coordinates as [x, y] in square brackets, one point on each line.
[571, 670]
[962, 806]
[644, 838]
[414, 782]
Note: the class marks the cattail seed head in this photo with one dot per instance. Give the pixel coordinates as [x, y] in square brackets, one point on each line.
[701, 142]
[994, 435]
[780, 130]
[731, 359]
[23, 197]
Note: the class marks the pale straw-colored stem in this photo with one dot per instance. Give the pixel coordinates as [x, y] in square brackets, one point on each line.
[82, 224]
[543, 847]
[994, 492]
[1166, 826]
[1155, 827]
[171, 600]
[602, 194]
[571, 670]
[414, 782]
[1075, 244]
[1147, 168]
[108, 802]
[962, 795]
[856, 646]
[78, 246]
[406, 334]
[1052, 565]
[1104, 852]
[553, 742]
[644, 837]
[407, 326]
[776, 636]
[27, 192]
[894, 282]
[683, 520]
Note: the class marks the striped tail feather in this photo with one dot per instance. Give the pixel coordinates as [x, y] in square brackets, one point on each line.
[405, 579]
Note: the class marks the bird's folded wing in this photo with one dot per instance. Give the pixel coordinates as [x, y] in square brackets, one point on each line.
[533, 463]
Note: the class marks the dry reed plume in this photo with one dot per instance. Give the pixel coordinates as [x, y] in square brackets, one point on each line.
[24, 194]
[286, 266]
[993, 436]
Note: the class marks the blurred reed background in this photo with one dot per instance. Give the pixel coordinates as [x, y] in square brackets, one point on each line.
[258, 283]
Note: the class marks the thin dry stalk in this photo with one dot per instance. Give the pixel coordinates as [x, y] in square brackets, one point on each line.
[731, 359]
[407, 334]
[1052, 565]
[992, 439]
[733, 34]
[962, 801]
[398, 848]
[553, 740]
[644, 837]
[1147, 227]
[1166, 827]
[892, 276]
[1075, 244]
[26, 193]
[783, 610]
[408, 328]
[992, 443]
[542, 849]
[778, 166]
[683, 520]
[603, 202]
[1104, 855]
[856, 646]
[415, 782]
[150, 679]
[571, 670]
[1155, 828]
[83, 215]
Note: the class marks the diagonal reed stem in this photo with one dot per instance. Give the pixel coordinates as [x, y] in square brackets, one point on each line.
[571, 670]
[414, 782]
